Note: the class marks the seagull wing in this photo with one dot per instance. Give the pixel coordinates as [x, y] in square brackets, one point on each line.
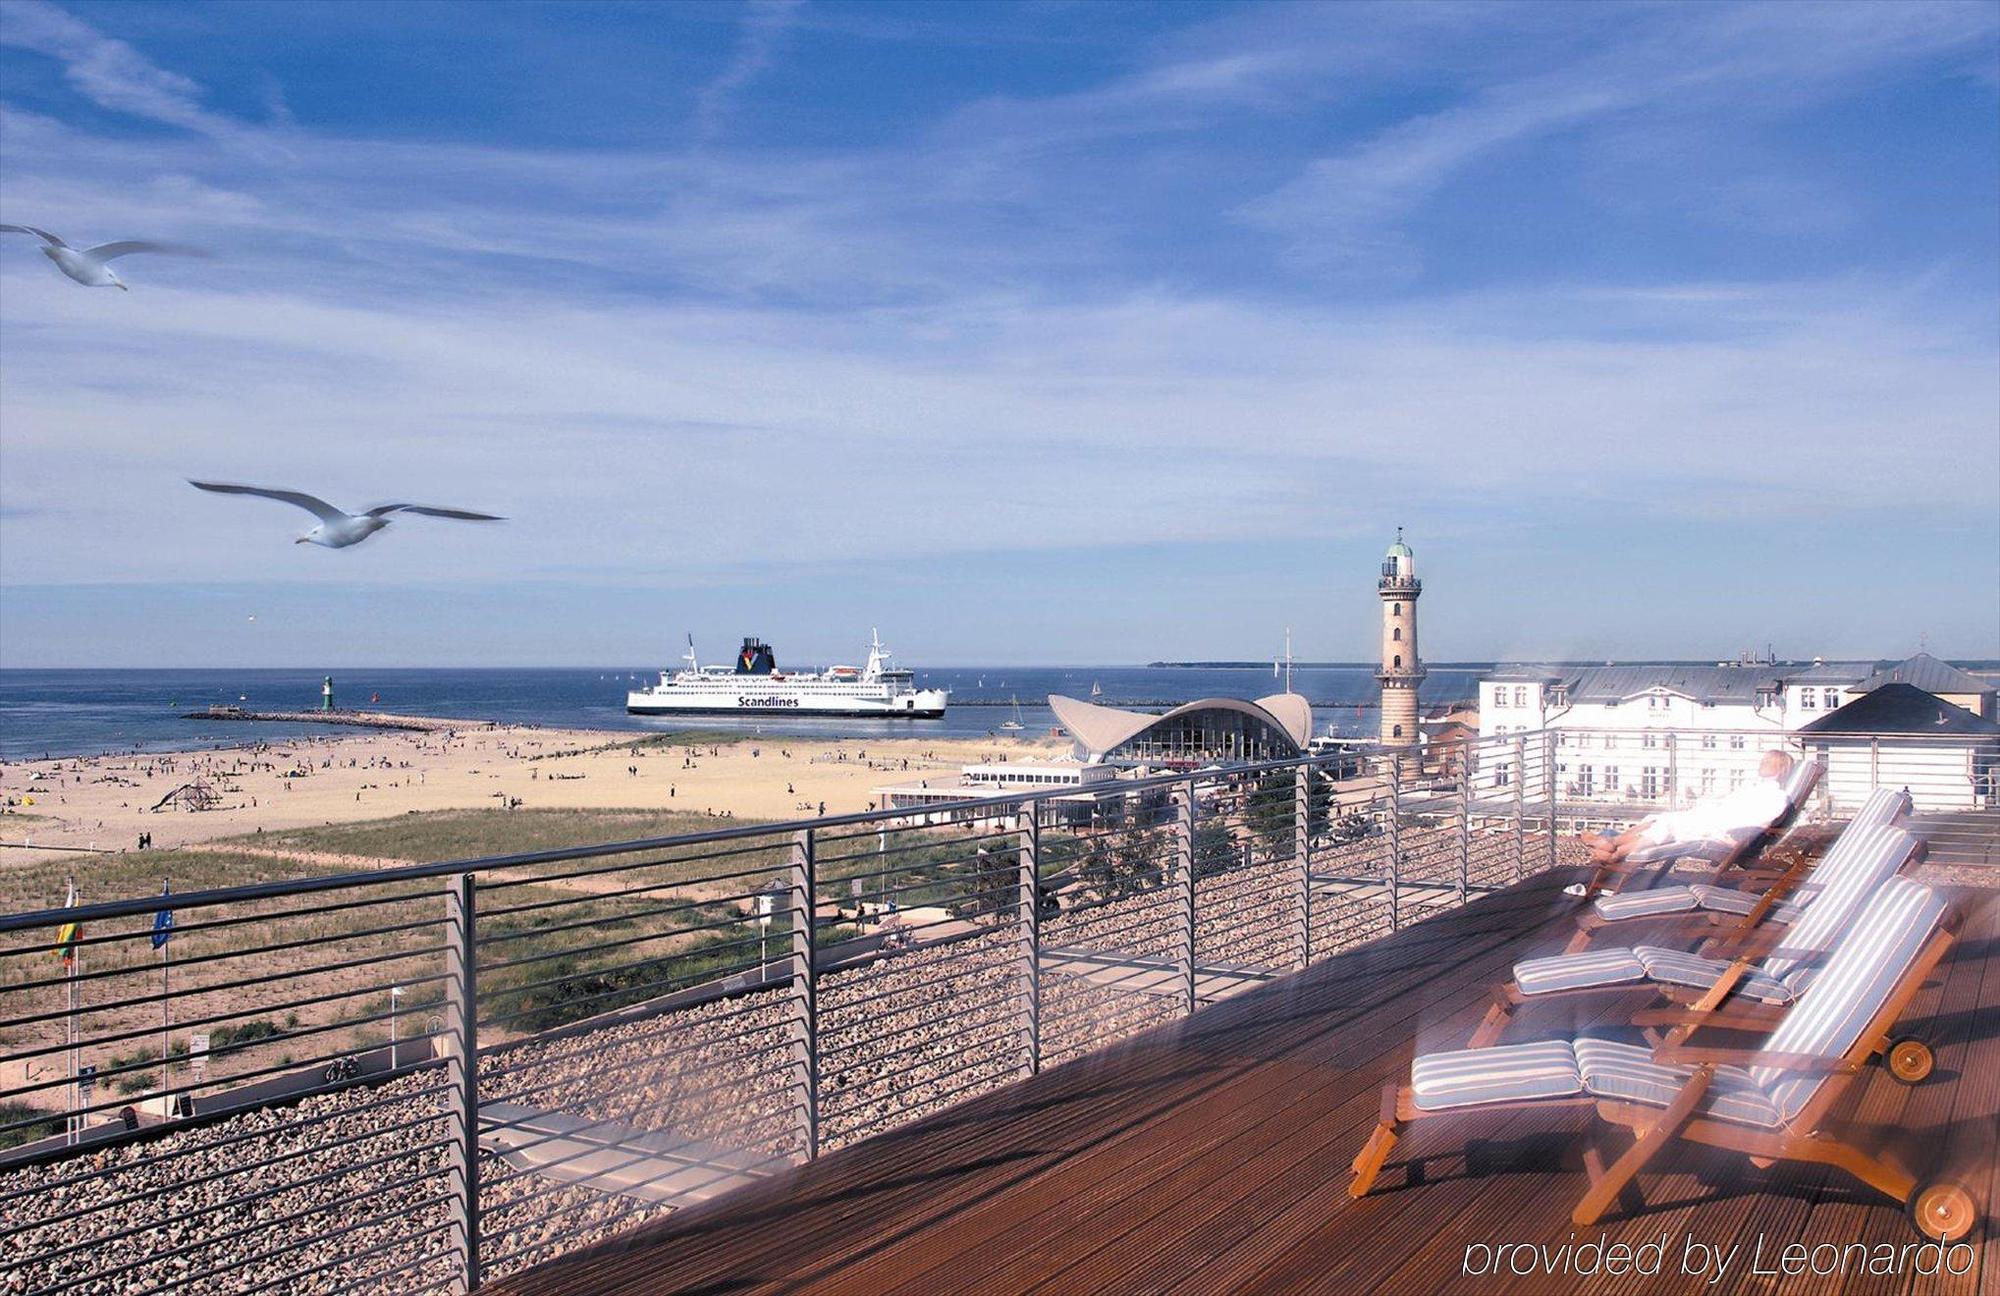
[105, 251]
[53, 241]
[312, 504]
[463, 515]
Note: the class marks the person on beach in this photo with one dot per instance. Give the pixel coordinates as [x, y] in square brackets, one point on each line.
[1749, 808]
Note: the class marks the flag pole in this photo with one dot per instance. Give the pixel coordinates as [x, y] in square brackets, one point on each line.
[166, 956]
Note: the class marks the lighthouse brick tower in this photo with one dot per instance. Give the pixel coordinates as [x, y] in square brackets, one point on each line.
[1402, 669]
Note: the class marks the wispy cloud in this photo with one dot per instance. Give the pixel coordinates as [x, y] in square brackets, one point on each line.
[1724, 63]
[113, 75]
[765, 24]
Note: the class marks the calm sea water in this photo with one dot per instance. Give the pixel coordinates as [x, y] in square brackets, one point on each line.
[83, 712]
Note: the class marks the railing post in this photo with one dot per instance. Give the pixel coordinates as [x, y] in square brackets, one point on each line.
[1521, 807]
[1030, 941]
[1464, 819]
[1395, 841]
[802, 1015]
[462, 1073]
[1549, 782]
[1673, 770]
[1302, 851]
[1184, 866]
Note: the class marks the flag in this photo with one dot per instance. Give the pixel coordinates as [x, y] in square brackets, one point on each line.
[163, 921]
[70, 932]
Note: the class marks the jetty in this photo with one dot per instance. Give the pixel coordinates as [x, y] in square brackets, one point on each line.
[352, 719]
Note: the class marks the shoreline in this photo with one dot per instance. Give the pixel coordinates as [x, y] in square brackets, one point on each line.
[192, 796]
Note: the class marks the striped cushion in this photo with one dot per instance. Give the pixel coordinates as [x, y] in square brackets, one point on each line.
[1883, 806]
[1713, 850]
[1851, 873]
[1799, 784]
[1645, 904]
[1627, 1071]
[1718, 899]
[1576, 971]
[1509, 1073]
[1853, 984]
[1677, 967]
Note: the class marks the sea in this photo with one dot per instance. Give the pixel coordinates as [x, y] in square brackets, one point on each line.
[51, 713]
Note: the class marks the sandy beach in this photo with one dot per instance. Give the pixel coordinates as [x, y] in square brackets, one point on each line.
[107, 802]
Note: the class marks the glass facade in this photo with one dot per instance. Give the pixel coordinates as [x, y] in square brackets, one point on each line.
[1206, 735]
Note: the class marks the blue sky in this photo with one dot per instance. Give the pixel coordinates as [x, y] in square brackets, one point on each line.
[1038, 332]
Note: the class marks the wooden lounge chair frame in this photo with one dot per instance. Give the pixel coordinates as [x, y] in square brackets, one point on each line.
[1908, 1058]
[1940, 1208]
[1614, 877]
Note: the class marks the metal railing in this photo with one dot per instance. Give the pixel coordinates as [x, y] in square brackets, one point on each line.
[422, 1077]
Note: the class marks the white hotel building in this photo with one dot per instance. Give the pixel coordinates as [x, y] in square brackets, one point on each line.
[1666, 733]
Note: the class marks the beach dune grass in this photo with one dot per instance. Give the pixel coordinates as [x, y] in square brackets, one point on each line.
[421, 837]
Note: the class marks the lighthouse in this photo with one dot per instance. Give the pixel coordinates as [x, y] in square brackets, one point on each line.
[1402, 669]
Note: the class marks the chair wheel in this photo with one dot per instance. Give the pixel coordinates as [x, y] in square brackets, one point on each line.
[1910, 1060]
[1943, 1210]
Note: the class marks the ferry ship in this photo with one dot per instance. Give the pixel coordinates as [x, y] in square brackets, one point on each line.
[755, 686]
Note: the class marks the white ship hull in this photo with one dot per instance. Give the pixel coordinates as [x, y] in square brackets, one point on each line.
[774, 699]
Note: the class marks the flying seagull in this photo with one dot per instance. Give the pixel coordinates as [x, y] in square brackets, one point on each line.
[337, 530]
[88, 265]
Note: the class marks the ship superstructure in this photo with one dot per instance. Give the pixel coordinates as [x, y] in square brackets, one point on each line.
[754, 685]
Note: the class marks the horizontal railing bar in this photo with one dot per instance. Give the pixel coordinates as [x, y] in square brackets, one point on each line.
[531, 933]
[245, 1231]
[262, 1191]
[140, 1163]
[626, 866]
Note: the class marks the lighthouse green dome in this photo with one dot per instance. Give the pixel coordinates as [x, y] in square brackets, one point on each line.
[1399, 549]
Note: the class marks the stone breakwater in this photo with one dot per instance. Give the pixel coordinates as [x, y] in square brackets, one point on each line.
[349, 1190]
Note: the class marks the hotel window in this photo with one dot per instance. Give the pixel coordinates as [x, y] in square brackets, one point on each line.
[1708, 741]
[1520, 697]
[1736, 742]
[1562, 740]
[1707, 780]
[1586, 780]
[1611, 780]
[1651, 740]
[1832, 699]
[1735, 779]
[1808, 700]
[1649, 781]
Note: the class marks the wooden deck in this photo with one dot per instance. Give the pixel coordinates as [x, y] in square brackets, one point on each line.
[1212, 1157]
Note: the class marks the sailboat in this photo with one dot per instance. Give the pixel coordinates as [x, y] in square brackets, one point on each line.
[1096, 689]
[1014, 725]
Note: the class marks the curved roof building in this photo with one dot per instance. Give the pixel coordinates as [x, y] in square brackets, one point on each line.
[1194, 733]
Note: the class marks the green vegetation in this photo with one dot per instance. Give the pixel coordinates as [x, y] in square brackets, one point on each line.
[11, 1134]
[421, 837]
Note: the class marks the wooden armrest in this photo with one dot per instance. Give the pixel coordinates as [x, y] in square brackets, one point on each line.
[1749, 1017]
[1681, 1053]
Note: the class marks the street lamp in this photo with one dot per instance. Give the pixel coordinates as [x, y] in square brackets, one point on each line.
[395, 995]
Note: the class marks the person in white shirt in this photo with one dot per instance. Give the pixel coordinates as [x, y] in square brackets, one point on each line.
[1750, 808]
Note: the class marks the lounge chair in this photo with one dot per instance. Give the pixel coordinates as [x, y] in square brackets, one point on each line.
[1721, 852]
[1775, 900]
[1769, 1103]
[1766, 968]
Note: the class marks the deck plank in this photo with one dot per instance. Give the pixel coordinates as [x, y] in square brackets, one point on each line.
[1211, 1155]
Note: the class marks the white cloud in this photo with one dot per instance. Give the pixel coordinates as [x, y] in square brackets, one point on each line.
[764, 25]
